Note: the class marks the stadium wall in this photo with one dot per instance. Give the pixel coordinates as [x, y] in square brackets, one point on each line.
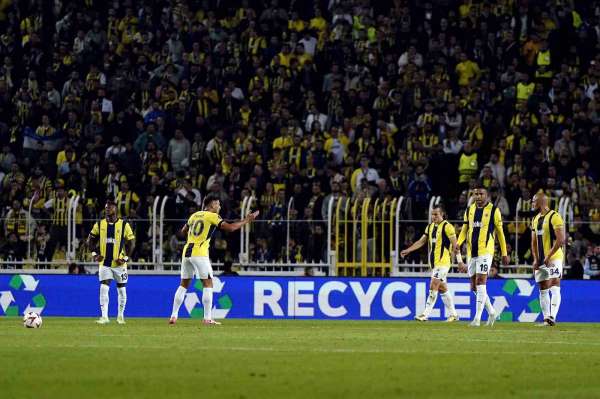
[285, 297]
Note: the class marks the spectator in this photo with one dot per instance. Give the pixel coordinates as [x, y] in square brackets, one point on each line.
[179, 151]
[410, 56]
[499, 201]
[150, 135]
[228, 269]
[591, 267]
[497, 168]
[115, 151]
[364, 173]
[7, 159]
[330, 85]
[452, 144]
[468, 71]
[467, 166]
[314, 116]
[494, 270]
[337, 145]
[419, 190]
[13, 251]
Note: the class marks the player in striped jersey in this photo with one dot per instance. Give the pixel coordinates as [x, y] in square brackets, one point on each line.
[116, 241]
[441, 237]
[482, 222]
[547, 239]
[200, 228]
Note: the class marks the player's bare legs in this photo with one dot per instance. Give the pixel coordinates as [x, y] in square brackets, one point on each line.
[207, 298]
[178, 298]
[104, 288]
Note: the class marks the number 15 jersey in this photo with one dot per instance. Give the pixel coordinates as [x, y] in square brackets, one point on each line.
[201, 227]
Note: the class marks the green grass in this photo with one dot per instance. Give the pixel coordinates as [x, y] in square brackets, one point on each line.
[75, 358]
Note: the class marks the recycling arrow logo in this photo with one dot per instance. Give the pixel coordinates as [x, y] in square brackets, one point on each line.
[22, 283]
[519, 288]
[192, 300]
[6, 298]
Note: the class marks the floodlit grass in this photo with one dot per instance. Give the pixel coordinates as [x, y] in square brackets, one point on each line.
[75, 358]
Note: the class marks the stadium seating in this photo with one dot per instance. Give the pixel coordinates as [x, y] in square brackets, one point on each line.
[307, 100]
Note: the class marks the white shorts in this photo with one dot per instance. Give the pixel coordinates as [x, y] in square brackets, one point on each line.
[480, 265]
[552, 270]
[440, 273]
[119, 274]
[196, 265]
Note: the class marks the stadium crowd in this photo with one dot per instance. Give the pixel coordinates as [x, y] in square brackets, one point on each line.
[135, 99]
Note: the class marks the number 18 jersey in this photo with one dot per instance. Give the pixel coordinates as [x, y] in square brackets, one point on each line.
[201, 227]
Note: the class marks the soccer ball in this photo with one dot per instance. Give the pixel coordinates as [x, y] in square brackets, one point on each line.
[32, 320]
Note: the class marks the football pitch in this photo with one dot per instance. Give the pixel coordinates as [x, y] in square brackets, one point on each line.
[75, 358]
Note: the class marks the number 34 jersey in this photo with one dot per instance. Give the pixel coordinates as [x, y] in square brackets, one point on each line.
[201, 227]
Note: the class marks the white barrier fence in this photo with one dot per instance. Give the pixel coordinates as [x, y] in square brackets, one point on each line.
[287, 265]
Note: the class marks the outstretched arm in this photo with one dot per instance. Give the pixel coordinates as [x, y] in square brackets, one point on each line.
[230, 227]
[422, 241]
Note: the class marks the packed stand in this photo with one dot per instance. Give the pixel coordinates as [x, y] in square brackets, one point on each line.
[293, 99]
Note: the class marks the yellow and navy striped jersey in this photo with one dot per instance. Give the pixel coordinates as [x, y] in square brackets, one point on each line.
[112, 240]
[438, 238]
[544, 227]
[201, 227]
[480, 228]
[126, 202]
[59, 210]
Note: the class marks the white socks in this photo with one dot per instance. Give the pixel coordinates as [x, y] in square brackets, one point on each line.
[481, 299]
[449, 303]
[430, 302]
[122, 291]
[207, 297]
[178, 300]
[555, 301]
[545, 302]
[488, 305]
[104, 300]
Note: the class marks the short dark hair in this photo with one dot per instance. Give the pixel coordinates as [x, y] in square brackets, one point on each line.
[440, 207]
[210, 198]
[479, 185]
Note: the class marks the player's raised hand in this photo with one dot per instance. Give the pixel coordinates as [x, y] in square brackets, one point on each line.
[403, 253]
[253, 215]
[536, 265]
[97, 257]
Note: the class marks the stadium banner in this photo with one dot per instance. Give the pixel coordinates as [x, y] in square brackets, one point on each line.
[286, 297]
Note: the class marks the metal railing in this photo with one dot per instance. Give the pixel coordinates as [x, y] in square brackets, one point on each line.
[374, 228]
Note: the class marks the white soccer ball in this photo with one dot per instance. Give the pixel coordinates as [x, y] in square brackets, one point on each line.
[32, 320]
